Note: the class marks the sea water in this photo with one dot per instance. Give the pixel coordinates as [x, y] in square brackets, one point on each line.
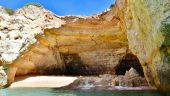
[66, 92]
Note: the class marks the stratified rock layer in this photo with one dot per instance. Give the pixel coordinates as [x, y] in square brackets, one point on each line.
[92, 45]
[82, 46]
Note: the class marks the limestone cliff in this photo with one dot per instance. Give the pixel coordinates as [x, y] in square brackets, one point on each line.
[18, 30]
[148, 35]
[81, 46]
[37, 41]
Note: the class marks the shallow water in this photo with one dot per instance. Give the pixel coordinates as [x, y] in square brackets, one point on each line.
[64, 92]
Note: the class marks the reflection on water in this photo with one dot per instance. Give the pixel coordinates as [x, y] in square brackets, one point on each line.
[64, 92]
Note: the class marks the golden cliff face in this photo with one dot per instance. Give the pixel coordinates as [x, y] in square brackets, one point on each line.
[82, 46]
[147, 32]
[92, 40]
[95, 47]
[96, 44]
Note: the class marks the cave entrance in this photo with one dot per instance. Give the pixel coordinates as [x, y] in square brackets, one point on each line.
[128, 61]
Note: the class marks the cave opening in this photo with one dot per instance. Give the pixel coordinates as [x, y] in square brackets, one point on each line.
[128, 61]
[74, 66]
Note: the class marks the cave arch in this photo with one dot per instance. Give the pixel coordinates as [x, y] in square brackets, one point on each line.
[128, 61]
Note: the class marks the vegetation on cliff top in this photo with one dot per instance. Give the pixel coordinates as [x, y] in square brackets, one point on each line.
[32, 3]
[10, 11]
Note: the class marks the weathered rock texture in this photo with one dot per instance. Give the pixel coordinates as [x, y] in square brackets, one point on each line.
[3, 77]
[92, 45]
[82, 46]
[18, 31]
[106, 81]
[148, 35]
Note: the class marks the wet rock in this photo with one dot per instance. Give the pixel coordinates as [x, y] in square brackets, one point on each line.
[131, 79]
[125, 82]
[106, 81]
[90, 82]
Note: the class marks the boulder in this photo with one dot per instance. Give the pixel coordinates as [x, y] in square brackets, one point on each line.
[106, 81]
[131, 73]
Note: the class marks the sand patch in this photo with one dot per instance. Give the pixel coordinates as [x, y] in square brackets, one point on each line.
[42, 81]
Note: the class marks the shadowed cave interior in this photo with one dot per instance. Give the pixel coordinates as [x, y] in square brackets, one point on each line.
[74, 67]
[128, 61]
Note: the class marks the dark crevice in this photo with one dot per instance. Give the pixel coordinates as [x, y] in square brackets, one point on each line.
[128, 61]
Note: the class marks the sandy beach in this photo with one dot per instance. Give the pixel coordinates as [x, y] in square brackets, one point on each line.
[42, 81]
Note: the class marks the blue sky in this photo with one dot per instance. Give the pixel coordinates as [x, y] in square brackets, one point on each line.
[64, 7]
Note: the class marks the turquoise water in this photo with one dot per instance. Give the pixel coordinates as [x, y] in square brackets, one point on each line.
[64, 92]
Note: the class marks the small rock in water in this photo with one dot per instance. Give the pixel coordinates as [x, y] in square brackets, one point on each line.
[131, 73]
[131, 79]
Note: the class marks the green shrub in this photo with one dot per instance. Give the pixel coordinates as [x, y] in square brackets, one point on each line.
[10, 11]
[32, 3]
[165, 29]
[6, 67]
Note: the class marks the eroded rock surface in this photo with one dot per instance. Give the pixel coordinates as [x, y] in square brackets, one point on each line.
[92, 45]
[148, 35]
[18, 31]
[82, 46]
[3, 77]
[131, 79]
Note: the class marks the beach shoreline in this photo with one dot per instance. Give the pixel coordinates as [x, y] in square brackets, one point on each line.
[42, 81]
